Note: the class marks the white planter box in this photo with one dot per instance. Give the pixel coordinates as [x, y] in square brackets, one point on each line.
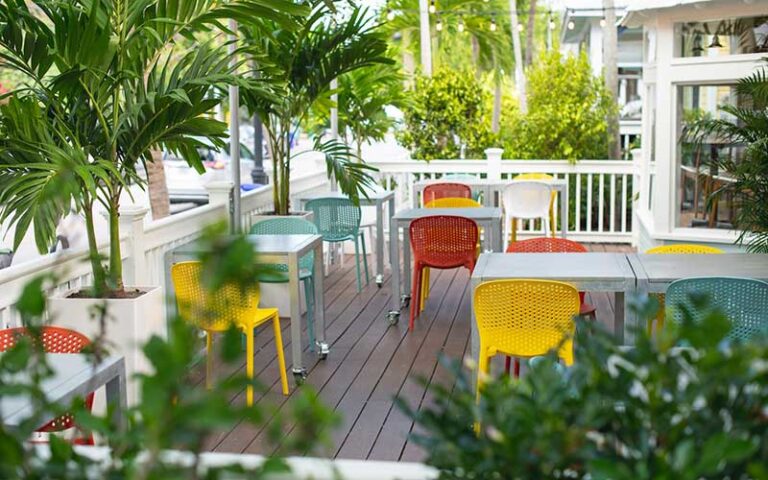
[130, 324]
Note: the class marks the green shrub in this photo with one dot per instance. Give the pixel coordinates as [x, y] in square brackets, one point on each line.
[446, 111]
[656, 411]
[567, 111]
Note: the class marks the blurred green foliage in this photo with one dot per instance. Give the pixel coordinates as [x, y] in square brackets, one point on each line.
[173, 413]
[654, 411]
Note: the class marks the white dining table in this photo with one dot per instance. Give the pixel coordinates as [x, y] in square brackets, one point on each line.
[73, 375]
[492, 191]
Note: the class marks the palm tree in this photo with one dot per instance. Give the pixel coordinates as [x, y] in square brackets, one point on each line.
[301, 65]
[107, 84]
[745, 125]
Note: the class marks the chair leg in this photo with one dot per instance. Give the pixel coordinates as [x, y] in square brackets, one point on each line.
[415, 294]
[514, 229]
[424, 288]
[249, 366]
[552, 224]
[357, 266]
[280, 355]
[483, 369]
[309, 293]
[365, 258]
[208, 360]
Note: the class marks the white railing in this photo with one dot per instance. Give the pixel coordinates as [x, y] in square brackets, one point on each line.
[600, 192]
[145, 244]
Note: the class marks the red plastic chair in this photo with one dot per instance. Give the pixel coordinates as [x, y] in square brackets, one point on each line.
[55, 340]
[550, 245]
[437, 191]
[440, 241]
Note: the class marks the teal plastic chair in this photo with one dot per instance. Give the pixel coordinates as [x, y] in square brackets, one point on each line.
[293, 226]
[743, 300]
[338, 220]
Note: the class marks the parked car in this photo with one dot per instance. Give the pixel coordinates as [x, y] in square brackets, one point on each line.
[185, 184]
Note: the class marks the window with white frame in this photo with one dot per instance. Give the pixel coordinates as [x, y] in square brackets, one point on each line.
[698, 156]
[731, 36]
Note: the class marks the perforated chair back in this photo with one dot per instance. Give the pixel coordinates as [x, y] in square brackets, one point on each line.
[452, 202]
[527, 199]
[54, 340]
[288, 226]
[546, 245]
[743, 300]
[337, 219]
[214, 311]
[444, 241]
[437, 191]
[684, 248]
[533, 176]
[525, 318]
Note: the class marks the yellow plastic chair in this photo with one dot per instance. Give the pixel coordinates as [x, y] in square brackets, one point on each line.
[450, 202]
[214, 312]
[524, 318]
[679, 248]
[538, 176]
[447, 202]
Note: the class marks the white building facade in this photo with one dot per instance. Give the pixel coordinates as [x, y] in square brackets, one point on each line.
[694, 52]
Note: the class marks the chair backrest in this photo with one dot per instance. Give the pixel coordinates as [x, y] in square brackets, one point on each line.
[54, 339]
[452, 202]
[211, 310]
[743, 300]
[533, 176]
[444, 240]
[526, 318]
[546, 245]
[527, 199]
[288, 226]
[337, 219]
[684, 248]
[437, 191]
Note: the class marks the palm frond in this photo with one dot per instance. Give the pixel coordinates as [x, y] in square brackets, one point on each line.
[351, 175]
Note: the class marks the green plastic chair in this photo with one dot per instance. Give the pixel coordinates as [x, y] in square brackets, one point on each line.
[743, 300]
[338, 220]
[293, 226]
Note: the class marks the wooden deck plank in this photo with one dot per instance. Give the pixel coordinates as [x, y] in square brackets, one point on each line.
[371, 362]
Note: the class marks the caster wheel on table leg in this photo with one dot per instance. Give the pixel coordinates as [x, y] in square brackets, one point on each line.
[379, 280]
[300, 376]
[405, 300]
[393, 317]
[322, 350]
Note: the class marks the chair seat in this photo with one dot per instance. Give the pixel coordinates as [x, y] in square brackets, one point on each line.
[262, 315]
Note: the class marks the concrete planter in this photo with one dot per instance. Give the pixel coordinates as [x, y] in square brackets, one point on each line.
[130, 323]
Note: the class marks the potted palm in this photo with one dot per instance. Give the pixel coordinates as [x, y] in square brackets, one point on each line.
[86, 118]
[302, 64]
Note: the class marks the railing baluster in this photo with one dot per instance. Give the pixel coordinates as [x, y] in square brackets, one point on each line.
[600, 202]
[624, 203]
[612, 198]
[589, 202]
[577, 204]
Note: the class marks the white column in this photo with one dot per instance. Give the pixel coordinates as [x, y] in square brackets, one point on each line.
[493, 155]
[426, 38]
[665, 200]
[596, 48]
[234, 140]
[132, 226]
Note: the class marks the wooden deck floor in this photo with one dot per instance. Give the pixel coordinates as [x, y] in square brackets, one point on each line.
[372, 362]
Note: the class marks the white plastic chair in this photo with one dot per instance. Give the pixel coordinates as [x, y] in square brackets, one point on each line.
[526, 200]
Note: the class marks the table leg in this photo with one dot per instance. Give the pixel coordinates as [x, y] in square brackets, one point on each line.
[475, 340]
[379, 243]
[117, 396]
[563, 211]
[406, 261]
[394, 252]
[295, 302]
[390, 214]
[498, 235]
[415, 189]
[620, 309]
[322, 346]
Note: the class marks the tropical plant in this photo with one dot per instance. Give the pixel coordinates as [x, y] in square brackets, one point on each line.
[173, 413]
[107, 84]
[744, 125]
[362, 98]
[446, 114]
[301, 64]
[567, 111]
[653, 411]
